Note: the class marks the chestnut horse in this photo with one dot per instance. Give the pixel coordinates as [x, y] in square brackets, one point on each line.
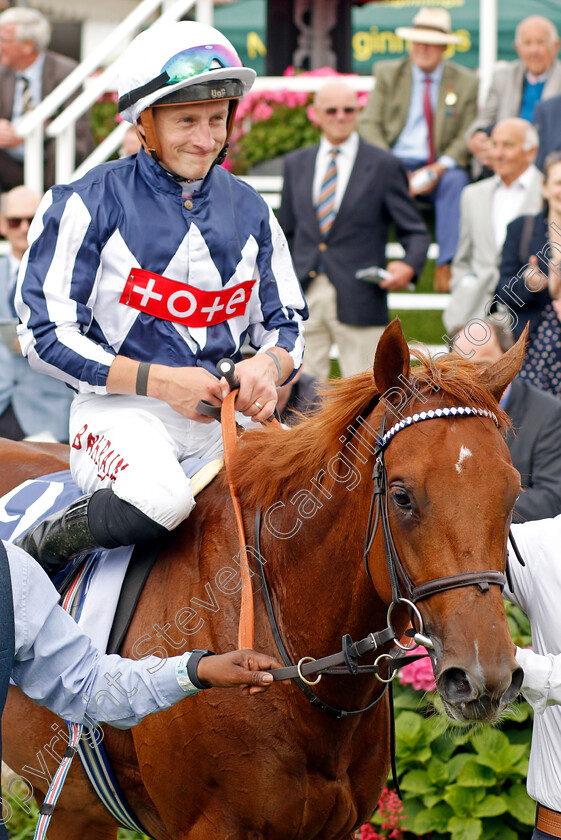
[222, 765]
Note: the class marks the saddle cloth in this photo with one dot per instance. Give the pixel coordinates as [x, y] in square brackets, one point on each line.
[27, 504]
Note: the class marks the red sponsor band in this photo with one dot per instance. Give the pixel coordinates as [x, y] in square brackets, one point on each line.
[173, 301]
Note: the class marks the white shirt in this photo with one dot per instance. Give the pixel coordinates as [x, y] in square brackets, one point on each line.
[508, 203]
[345, 161]
[537, 591]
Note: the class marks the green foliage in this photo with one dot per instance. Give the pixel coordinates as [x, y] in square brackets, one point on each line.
[463, 783]
[286, 129]
[103, 116]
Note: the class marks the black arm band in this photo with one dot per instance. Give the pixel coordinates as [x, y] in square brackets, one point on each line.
[142, 379]
[192, 665]
[276, 361]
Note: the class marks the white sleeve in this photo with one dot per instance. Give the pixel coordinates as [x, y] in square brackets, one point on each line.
[542, 678]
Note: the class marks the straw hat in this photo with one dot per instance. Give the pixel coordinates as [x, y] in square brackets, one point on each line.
[430, 26]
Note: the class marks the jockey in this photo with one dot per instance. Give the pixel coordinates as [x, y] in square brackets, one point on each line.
[139, 277]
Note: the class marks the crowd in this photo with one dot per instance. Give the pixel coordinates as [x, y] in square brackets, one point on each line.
[121, 351]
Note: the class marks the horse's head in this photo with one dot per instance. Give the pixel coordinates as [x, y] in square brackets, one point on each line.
[450, 491]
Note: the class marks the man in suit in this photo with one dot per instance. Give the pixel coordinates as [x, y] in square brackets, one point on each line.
[535, 438]
[486, 208]
[518, 86]
[336, 227]
[547, 120]
[28, 72]
[420, 109]
[31, 404]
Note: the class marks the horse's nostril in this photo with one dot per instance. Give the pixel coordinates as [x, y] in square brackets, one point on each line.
[455, 686]
[514, 688]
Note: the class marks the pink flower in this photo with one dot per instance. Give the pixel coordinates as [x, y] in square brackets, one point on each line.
[262, 111]
[367, 832]
[419, 674]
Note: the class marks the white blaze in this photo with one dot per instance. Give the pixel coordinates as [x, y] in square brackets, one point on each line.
[464, 453]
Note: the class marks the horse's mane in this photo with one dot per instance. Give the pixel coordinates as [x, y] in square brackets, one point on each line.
[271, 462]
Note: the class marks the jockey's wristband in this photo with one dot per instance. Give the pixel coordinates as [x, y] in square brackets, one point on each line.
[276, 361]
[142, 379]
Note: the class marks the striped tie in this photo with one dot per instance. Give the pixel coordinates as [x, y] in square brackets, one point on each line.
[26, 101]
[325, 207]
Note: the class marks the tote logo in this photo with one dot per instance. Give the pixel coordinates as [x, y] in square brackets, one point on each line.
[172, 301]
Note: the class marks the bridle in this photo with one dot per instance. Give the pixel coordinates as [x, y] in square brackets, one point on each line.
[396, 571]
[404, 591]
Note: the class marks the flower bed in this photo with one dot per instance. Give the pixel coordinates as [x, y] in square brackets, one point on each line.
[458, 783]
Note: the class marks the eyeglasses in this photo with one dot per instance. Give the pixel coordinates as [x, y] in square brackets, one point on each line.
[15, 221]
[332, 112]
[184, 65]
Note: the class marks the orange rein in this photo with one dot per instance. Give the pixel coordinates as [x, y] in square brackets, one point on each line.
[230, 438]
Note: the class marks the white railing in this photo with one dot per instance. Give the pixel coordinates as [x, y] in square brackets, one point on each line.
[31, 127]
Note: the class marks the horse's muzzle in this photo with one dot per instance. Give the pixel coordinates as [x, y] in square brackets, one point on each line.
[467, 698]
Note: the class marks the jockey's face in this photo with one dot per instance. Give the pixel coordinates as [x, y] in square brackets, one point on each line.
[191, 136]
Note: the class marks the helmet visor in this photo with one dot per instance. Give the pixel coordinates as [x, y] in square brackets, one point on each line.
[183, 66]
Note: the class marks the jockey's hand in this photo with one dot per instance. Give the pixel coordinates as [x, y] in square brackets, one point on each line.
[183, 387]
[238, 667]
[257, 396]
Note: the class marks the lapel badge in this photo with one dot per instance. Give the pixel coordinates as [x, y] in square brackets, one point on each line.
[451, 97]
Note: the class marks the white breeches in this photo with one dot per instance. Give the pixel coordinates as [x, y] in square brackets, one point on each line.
[134, 445]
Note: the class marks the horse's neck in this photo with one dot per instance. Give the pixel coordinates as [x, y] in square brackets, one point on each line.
[317, 574]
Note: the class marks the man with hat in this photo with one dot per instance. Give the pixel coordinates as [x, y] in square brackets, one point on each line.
[420, 108]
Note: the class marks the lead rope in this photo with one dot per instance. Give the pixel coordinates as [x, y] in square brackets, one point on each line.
[48, 806]
[230, 439]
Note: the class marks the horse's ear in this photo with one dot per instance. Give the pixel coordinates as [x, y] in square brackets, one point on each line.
[392, 358]
[496, 377]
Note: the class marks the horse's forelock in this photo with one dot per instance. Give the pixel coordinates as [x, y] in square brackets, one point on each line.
[456, 380]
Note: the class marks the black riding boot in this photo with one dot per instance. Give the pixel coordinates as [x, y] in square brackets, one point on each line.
[101, 520]
[55, 540]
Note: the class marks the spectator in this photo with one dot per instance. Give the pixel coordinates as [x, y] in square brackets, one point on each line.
[299, 396]
[420, 109]
[131, 142]
[517, 87]
[31, 404]
[367, 191]
[28, 72]
[536, 591]
[486, 208]
[142, 358]
[535, 438]
[547, 120]
[530, 282]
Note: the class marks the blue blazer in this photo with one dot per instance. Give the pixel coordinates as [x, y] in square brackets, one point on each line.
[377, 195]
[547, 119]
[525, 305]
[40, 403]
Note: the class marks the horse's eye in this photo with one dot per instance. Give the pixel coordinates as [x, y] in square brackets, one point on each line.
[401, 497]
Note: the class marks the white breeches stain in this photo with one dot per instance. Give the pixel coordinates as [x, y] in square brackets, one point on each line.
[464, 453]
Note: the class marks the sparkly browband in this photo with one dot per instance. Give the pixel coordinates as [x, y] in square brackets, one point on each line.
[460, 411]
